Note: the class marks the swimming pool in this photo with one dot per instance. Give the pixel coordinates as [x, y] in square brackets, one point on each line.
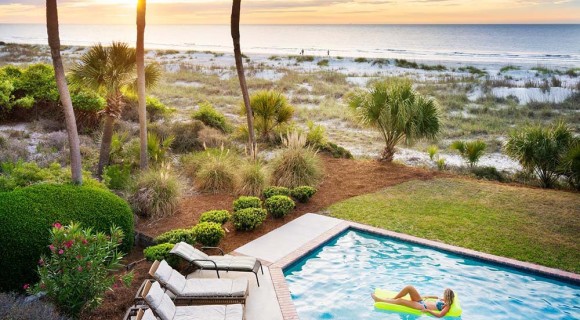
[335, 282]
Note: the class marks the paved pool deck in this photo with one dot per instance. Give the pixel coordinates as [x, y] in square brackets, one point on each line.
[281, 247]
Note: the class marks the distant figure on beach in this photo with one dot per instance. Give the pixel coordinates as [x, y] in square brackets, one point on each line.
[328, 53]
[302, 52]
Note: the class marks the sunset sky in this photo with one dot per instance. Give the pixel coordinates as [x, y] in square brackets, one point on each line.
[299, 11]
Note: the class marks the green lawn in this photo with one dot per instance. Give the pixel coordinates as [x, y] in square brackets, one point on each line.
[539, 226]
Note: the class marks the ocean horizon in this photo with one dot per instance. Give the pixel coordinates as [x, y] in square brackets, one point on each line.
[522, 44]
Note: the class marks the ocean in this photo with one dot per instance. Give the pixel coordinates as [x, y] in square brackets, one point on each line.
[554, 45]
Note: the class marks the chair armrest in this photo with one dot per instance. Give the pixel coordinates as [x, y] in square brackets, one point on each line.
[205, 260]
[218, 248]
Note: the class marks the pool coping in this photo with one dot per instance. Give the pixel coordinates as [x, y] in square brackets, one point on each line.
[283, 292]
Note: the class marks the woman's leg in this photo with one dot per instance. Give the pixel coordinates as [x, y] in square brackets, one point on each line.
[401, 302]
[413, 293]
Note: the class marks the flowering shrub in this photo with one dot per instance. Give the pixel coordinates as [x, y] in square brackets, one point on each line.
[76, 274]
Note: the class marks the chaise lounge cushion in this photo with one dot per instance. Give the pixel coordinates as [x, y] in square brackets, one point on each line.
[227, 262]
[211, 312]
[160, 302]
[170, 278]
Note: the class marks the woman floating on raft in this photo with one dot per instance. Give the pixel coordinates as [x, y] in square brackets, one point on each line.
[418, 302]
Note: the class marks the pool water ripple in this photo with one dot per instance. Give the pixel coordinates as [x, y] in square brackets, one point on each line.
[336, 280]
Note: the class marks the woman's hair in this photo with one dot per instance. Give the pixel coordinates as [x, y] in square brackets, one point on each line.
[449, 296]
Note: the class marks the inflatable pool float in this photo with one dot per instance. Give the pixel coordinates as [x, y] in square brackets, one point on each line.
[455, 310]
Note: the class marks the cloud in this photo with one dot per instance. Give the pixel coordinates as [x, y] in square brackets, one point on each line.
[535, 2]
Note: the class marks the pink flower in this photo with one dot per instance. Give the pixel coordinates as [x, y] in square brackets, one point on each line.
[85, 241]
[80, 268]
[40, 262]
[60, 251]
[57, 225]
[51, 247]
[26, 286]
[68, 244]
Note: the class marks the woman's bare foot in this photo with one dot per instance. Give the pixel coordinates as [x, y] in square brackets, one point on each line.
[375, 297]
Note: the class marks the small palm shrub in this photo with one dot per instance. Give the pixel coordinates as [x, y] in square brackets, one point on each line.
[212, 118]
[13, 306]
[570, 165]
[470, 151]
[176, 236]
[78, 271]
[253, 179]
[303, 193]
[208, 233]
[296, 166]
[279, 206]
[276, 191]
[316, 135]
[441, 164]
[271, 110]
[247, 202]
[186, 136]
[216, 173]
[432, 151]
[158, 148]
[156, 193]
[217, 216]
[248, 219]
[161, 252]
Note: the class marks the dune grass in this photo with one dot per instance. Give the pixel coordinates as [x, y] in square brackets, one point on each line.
[539, 226]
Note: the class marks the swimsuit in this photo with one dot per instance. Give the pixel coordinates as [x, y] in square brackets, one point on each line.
[421, 302]
[439, 304]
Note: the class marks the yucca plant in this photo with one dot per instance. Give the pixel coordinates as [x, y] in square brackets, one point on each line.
[397, 111]
[470, 151]
[540, 149]
[270, 110]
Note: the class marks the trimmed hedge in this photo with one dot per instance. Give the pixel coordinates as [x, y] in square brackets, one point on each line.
[276, 191]
[279, 206]
[28, 213]
[217, 216]
[208, 233]
[248, 219]
[247, 202]
[161, 252]
[303, 193]
[175, 236]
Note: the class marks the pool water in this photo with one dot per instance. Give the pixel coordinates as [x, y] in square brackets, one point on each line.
[336, 281]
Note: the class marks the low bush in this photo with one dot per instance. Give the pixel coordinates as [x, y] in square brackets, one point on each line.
[279, 206]
[276, 191]
[80, 267]
[18, 307]
[316, 135]
[216, 173]
[303, 193]
[334, 150]
[176, 236]
[212, 118]
[217, 216]
[488, 173]
[208, 233]
[117, 177]
[156, 193]
[247, 202]
[192, 162]
[212, 138]
[27, 214]
[161, 252]
[186, 136]
[248, 219]
[253, 179]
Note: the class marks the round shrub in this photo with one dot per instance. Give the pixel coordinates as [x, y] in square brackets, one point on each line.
[276, 191]
[28, 213]
[303, 193]
[208, 233]
[247, 202]
[217, 216]
[175, 236]
[161, 252]
[212, 118]
[279, 206]
[248, 219]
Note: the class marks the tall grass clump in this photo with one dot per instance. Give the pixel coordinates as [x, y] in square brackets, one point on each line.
[253, 179]
[217, 173]
[470, 151]
[296, 165]
[157, 193]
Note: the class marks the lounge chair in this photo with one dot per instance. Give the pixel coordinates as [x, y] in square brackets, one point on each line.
[197, 291]
[226, 263]
[161, 305]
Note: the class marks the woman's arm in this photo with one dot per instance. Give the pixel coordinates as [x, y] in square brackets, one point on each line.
[430, 297]
[439, 314]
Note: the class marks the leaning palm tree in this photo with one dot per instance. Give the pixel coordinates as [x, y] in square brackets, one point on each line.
[397, 111]
[111, 71]
[235, 31]
[141, 10]
[65, 99]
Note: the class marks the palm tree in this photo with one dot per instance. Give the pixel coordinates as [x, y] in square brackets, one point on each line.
[270, 109]
[65, 99]
[470, 151]
[235, 31]
[397, 111]
[111, 71]
[141, 10]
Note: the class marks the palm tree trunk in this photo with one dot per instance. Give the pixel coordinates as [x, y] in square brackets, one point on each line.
[235, 30]
[141, 9]
[106, 144]
[71, 124]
